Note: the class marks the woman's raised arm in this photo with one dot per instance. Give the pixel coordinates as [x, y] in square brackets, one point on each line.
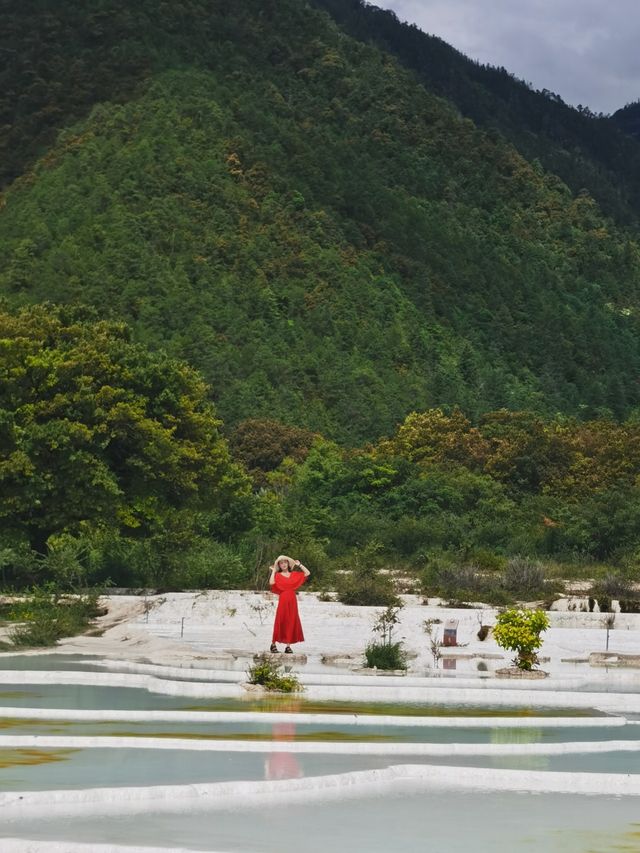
[305, 570]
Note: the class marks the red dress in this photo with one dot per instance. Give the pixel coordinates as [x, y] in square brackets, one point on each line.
[287, 627]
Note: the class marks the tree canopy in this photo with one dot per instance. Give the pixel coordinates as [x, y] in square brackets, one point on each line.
[97, 432]
[328, 242]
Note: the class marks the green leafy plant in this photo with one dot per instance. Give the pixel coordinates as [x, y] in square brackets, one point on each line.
[270, 676]
[386, 654]
[46, 615]
[519, 631]
[382, 656]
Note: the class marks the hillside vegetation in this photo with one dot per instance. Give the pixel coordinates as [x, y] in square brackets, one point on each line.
[585, 149]
[329, 243]
[422, 342]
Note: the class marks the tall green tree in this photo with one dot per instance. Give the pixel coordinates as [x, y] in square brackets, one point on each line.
[97, 432]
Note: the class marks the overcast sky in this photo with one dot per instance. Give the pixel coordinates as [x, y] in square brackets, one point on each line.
[587, 51]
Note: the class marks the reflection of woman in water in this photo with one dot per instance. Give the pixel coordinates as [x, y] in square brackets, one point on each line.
[283, 764]
[284, 582]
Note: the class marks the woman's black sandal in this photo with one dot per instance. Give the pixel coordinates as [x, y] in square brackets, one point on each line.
[273, 648]
[288, 650]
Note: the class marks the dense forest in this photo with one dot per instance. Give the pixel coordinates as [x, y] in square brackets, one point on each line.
[267, 282]
[328, 242]
[628, 118]
[586, 150]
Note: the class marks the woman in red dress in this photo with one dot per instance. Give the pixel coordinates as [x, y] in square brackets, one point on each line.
[284, 582]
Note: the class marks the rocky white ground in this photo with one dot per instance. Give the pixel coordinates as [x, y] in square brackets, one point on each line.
[205, 628]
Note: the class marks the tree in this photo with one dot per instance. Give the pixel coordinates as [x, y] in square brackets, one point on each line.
[98, 433]
[434, 436]
[262, 445]
[519, 631]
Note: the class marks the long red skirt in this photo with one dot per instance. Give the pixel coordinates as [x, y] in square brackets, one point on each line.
[287, 627]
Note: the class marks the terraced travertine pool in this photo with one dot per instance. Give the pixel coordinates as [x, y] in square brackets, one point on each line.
[454, 769]
[413, 823]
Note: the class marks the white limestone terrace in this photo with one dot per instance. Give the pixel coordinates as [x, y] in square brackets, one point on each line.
[411, 822]
[141, 647]
[225, 626]
[494, 750]
[408, 778]
[559, 694]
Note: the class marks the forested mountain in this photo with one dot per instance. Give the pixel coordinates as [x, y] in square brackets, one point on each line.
[291, 211]
[586, 150]
[628, 118]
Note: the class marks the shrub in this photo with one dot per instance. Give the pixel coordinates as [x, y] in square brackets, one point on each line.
[367, 590]
[483, 632]
[365, 585]
[460, 583]
[446, 577]
[47, 616]
[613, 585]
[209, 565]
[629, 605]
[519, 631]
[487, 561]
[269, 676]
[524, 577]
[386, 655]
[463, 582]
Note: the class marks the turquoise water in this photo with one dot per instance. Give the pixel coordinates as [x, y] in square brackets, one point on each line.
[41, 663]
[43, 769]
[320, 732]
[451, 822]
[426, 823]
[89, 697]
[63, 769]
[86, 697]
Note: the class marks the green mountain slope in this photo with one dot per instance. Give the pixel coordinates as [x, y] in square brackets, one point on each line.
[329, 243]
[585, 150]
[628, 119]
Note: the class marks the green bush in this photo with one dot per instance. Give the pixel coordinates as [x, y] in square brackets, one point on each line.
[364, 584]
[269, 676]
[386, 656]
[46, 616]
[522, 578]
[367, 590]
[209, 565]
[519, 631]
[487, 561]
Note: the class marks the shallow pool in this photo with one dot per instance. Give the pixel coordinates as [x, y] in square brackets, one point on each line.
[55, 662]
[85, 697]
[448, 822]
[61, 769]
[92, 697]
[314, 732]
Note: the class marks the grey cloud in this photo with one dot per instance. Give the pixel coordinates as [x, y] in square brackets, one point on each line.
[585, 50]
